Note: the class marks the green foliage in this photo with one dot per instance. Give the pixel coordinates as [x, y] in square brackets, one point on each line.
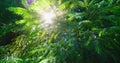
[87, 32]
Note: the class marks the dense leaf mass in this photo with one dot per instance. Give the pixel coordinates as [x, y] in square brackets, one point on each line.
[82, 31]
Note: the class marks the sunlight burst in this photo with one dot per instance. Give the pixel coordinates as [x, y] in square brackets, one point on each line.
[48, 17]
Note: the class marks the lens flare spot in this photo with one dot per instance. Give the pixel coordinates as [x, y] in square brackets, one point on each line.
[48, 17]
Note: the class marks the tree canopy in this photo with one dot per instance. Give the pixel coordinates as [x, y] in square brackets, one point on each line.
[59, 31]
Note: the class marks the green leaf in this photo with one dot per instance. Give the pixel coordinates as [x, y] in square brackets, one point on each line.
[18, 10]
[20, 22]
[81, 4]
[64, 5]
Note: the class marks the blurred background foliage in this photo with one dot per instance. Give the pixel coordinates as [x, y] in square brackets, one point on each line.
[87, 31]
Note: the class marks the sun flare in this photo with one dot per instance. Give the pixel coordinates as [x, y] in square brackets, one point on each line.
[48, 17]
